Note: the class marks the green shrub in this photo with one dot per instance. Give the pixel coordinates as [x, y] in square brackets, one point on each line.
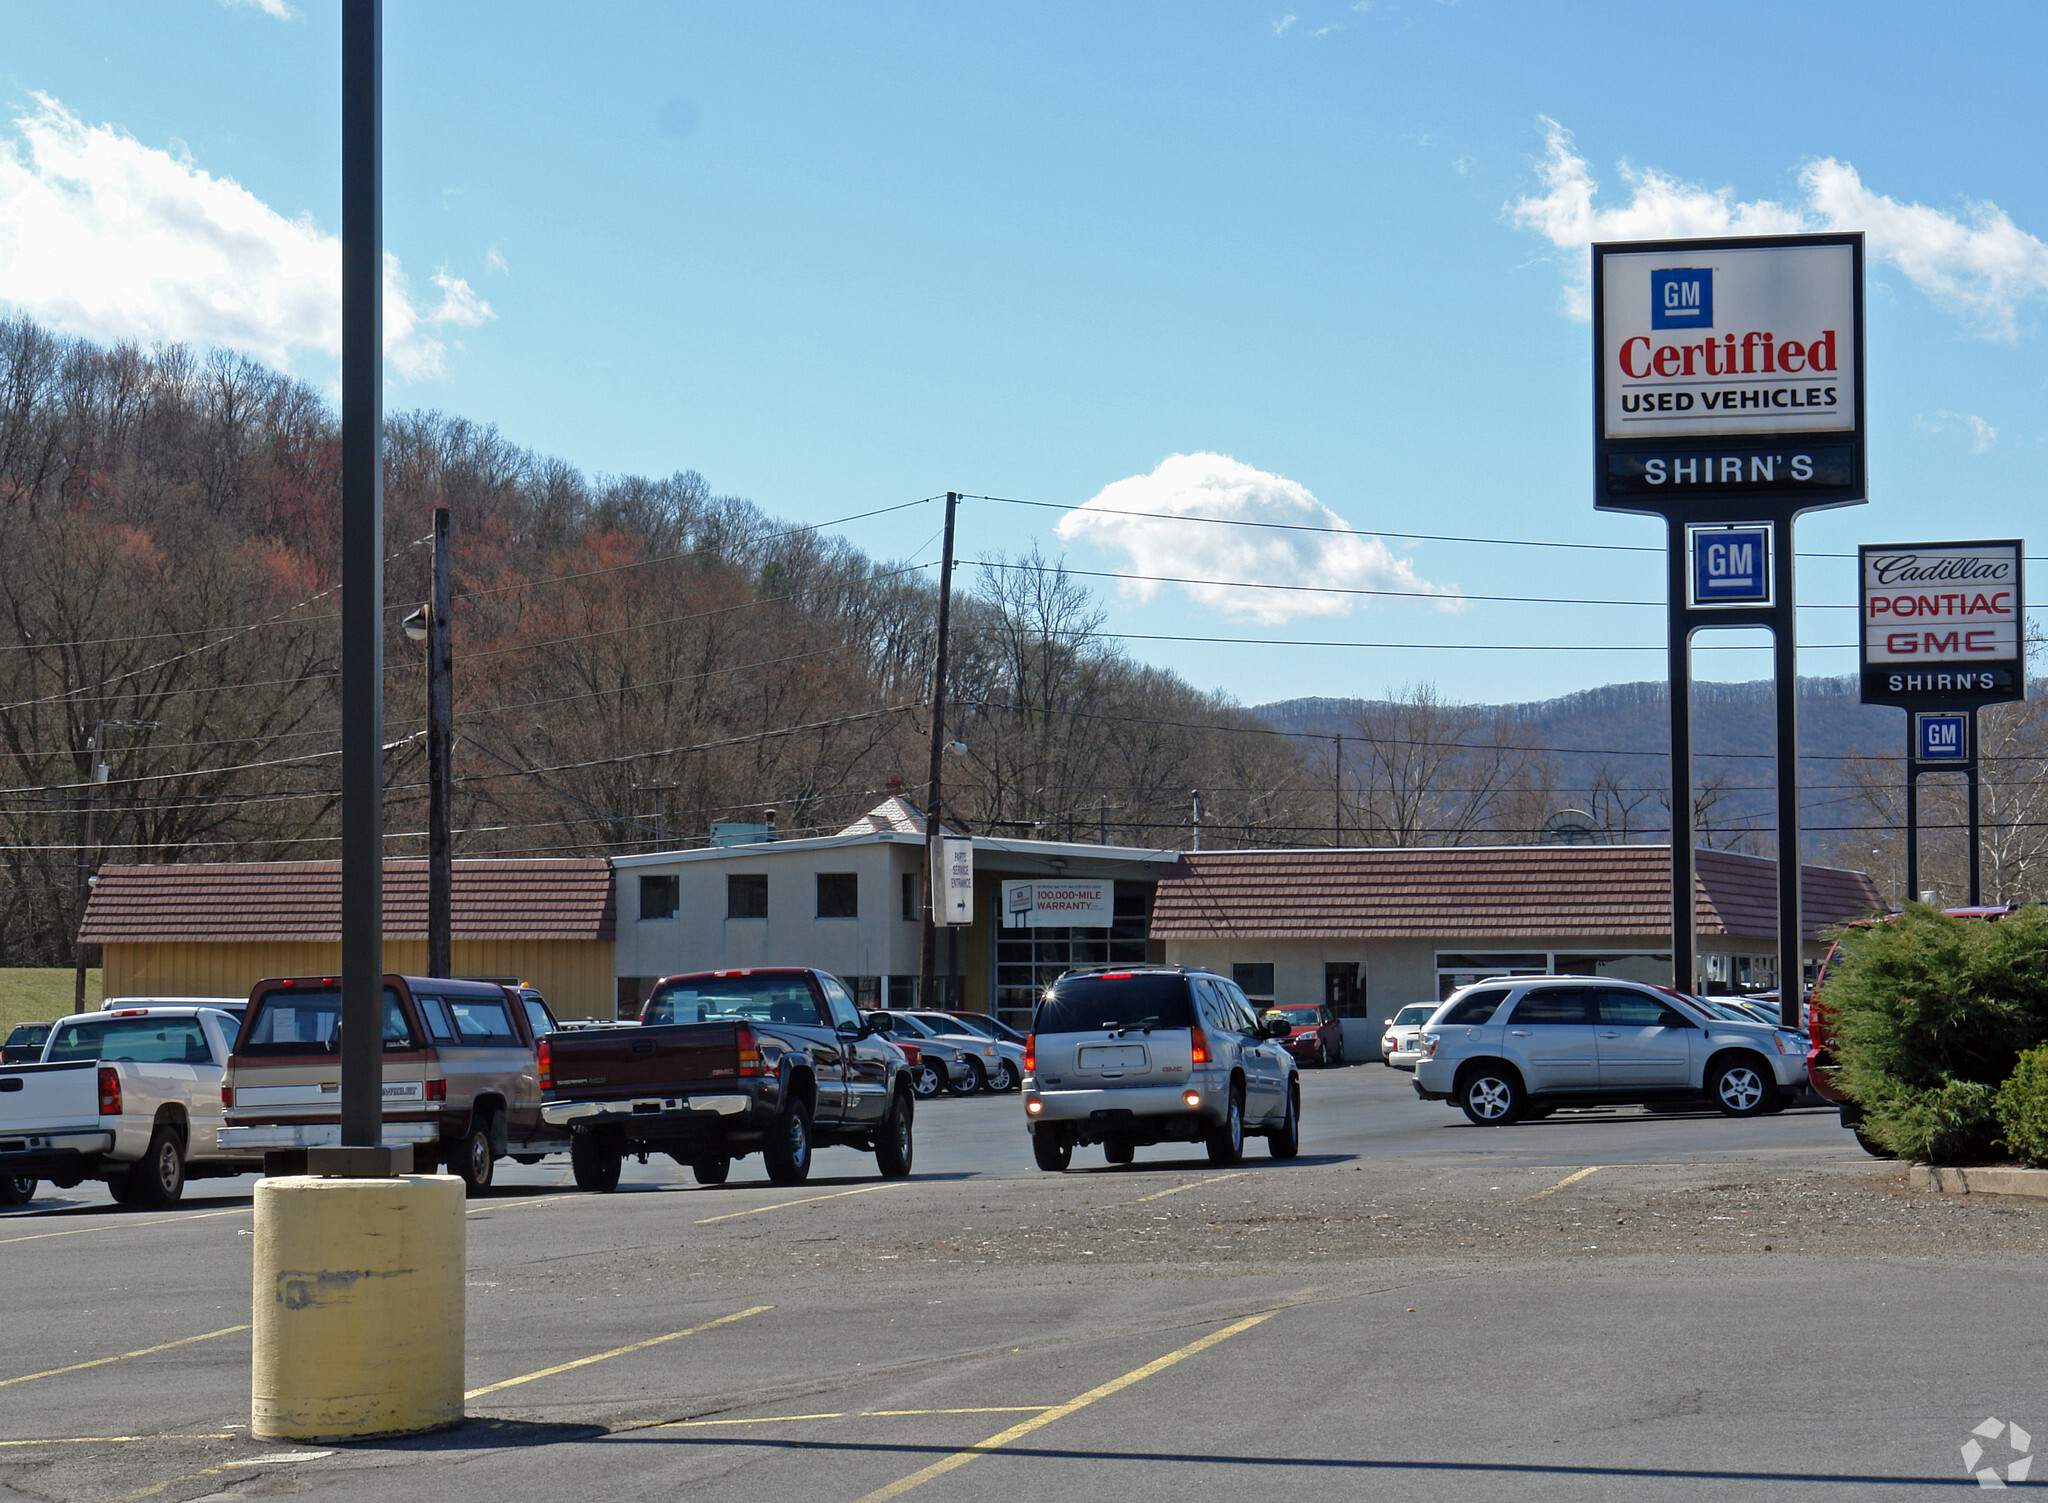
[1931, 1015]
[2022, 1108]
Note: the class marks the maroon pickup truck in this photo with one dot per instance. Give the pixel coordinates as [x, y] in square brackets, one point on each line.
[772, 1060]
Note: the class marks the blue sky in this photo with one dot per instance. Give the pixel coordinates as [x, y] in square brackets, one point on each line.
[838, 257]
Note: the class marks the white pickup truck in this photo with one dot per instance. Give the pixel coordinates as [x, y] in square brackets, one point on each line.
[130, 1096]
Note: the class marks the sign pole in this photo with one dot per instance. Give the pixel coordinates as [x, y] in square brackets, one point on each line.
[1976, 846]
[928, 959]
[1912, 893]
[1684, 909]
[1785, 662]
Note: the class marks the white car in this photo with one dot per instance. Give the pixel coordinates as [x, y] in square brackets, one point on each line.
[1400, 1047]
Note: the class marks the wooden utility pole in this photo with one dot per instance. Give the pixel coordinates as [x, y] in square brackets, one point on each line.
[440, 742]
[928, 958]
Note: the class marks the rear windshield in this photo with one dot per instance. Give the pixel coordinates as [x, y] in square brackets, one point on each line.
[1408, 1016]
[307, 1022]
[733, 999]
[1473, 1007]
[153, 1041]
[1083, 1004]
[1299, 1017]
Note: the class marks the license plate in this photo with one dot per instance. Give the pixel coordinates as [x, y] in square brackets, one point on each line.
[1112, 1056]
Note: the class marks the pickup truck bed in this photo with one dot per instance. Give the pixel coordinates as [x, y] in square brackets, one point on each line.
[759, 1069]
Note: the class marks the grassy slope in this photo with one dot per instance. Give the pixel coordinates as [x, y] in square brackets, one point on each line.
[40, 994]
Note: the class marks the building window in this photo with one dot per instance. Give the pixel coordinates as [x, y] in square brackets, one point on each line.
[1255, 981]
[838, 895]
[1030, 960]
[902, 992]
[867, 991]
[746, 895]
[661, 897]
[910, 905]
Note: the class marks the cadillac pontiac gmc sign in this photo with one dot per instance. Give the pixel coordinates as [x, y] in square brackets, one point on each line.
[1728, 370]
[1941, 623]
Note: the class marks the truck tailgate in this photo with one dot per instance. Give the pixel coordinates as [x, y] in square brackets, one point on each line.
[610, 1063]
[62, 1097]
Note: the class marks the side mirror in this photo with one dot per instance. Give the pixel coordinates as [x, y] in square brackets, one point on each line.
[854, 1030]
[1278, 1028]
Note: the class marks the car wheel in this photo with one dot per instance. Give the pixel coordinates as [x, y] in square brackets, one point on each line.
[475, 1162]
[1742, 1087]
[893, 1148]
[1004, 1079]
[16, 1190]
[1284, 1141]
[1226, 1144]
[1536, 1113]
[1052, 1154]
[1119, 1153]
[1492, 1097]
[787, 1148]
[157, 1179]
[595, 1160]
[711, 1171]
[977, 1079]
[1871, 1146]
[927, 1080]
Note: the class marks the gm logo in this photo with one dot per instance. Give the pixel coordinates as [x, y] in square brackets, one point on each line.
[1942, 738]
[1731, 565]
[1682, 298]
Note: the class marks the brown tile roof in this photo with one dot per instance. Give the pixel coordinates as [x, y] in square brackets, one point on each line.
[1496, 892]
[562, 898]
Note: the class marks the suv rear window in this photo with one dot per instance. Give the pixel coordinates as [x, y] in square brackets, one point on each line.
[1473, 1007]
[306, 1022]
[1084, 1004]
[154, 1041]
[719, 999]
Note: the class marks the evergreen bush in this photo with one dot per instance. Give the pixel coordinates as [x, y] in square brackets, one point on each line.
[2022, 1108]
[1931, 1015]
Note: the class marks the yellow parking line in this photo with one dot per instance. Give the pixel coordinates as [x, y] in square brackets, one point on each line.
[103, 1361]
[514, 1205]
[617, 1351]
[214, 1471]
[1060, 1411]
[786, 1419]
[122, 1226]
[1214, 1179]
[984, 1409]
[783, 1205]
[1569, 1179]
[766, 1419]
[111, 1440]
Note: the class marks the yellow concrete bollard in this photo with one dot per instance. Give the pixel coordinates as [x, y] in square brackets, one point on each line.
[359, 1294]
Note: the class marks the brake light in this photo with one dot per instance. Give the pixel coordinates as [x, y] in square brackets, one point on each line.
[1114, 976]
[1030, 1053]
[227, 1094]
[547, 1067]
[131, 1012]
[437, 1090]
[749, 1051]
[1198, 1045]
[110, 1091]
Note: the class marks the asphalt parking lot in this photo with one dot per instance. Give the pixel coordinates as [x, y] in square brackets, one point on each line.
[1600, 1305]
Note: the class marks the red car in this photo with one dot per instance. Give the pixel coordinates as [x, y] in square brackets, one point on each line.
[1317, 1036]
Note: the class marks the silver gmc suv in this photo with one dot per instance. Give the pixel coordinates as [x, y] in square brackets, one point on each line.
[1517, 1050]
[1156, 1054]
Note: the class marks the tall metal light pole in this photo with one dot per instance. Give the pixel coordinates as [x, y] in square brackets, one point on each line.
[928, 960]
[362, 578]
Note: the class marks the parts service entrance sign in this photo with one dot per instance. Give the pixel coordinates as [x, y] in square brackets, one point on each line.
[1941, 623]
[1728, 369]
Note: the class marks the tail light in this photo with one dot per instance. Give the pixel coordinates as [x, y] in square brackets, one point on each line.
[749, 1051]
[547, 1067]
[1031, 1053]
[1198, 1045]
[437, 1090]
[227, 1095]
[110, 1091]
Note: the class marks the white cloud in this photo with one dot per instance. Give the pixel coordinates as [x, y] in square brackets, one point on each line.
[1284, 24]
[275, 8]
[105, 237]
[1979, 263]
[1982, 434]
[1214, 485]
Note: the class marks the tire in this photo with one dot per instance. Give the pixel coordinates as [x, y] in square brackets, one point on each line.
[1052, 1154]
[473, 1161]
[787, 1148]
[16, 1190]
[1005, 1078]
[1226, 1144]
[1871, 1146]
[157, 1179]
[1742, 1087]
[711, 1171]
[1492, 1097]
[1536, 1113]
[1284, 1141]
[977, 1079]
[596, 1160]
[894, 1149]
[123, 1190]
[1119, 1153]
[928, 1079]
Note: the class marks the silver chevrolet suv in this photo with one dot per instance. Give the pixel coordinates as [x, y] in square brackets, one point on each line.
[1516, 1050]
[1156, 1054]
